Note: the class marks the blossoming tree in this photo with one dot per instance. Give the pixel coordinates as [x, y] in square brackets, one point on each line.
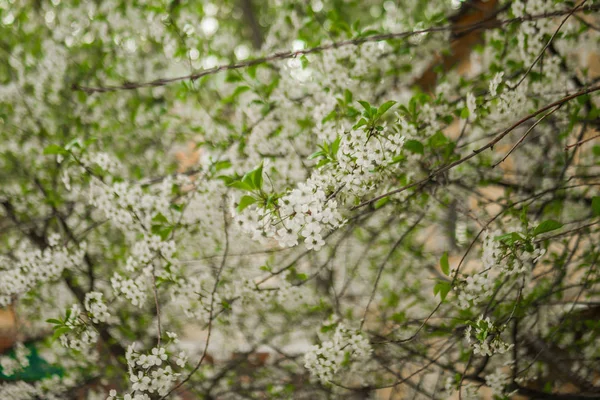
[378, 199]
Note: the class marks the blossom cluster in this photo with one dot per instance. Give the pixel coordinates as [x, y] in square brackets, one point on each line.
[134, 290]
[148, 373]
[358, 160]
[485, 338]
[146, 250]
[96, 308]
[33, 266]
[79, 335]
[498, 259]
[130, 204]
[346, 346]
[371, 164]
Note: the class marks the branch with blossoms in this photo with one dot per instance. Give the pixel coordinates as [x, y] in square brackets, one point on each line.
[402, 203]
[460, 30]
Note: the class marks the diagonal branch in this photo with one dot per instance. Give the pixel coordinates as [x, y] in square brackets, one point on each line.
[489, 145]
[283, 55]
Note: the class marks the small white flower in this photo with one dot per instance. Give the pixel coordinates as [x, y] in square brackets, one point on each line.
[314, 242]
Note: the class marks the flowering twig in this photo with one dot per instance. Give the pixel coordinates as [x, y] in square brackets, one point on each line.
[489, 145]
[283, 55]
[547, 44]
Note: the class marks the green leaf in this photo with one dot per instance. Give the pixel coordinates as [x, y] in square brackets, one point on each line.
[304, 61]
[384, 107]
[73, 144]
[54, 321]
[329, 116]
[583, 99]
[346, 361]
[163, 231]
[316, 154]
[399, 317]
[509, 238]
[220, 165]
[55, 149]
[438, 140]
[60, 331]
[596, 205]
[239, 90]
[257, 178]
[444, 264]
[523, 216]
[381, 202]
[245, 201]
[302, 277]
[360, 123]
[248, 180]
[414, 146]
[160, 219]
[547, 226]
[233, 77]
[335, 146]
[365, 105]
[347, 96]
[89, 141]
[228, 180]
[352, 112]
[443, 288]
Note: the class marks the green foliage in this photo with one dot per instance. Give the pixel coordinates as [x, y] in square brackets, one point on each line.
[251, 181]
[546, 226]
[414, 146]
[443, 288]
[596, 205]
[371, 116]
[118, 164]
[327, 153]
[444, 264]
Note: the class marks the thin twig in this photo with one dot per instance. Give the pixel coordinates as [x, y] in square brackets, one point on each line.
[157, 307]
[581, 142]
[212, 305]
[525, 135]
[383, 264]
